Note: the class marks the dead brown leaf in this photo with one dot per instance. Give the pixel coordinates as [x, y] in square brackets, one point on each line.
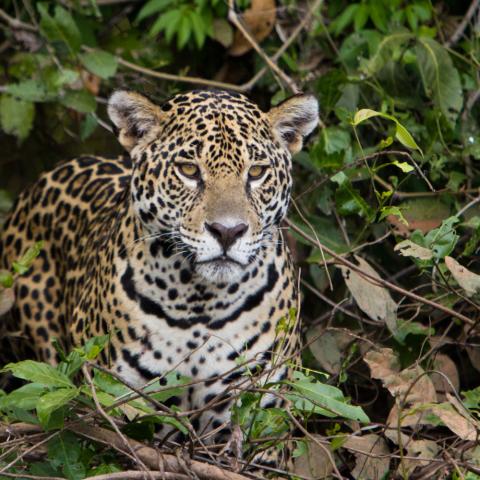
[372, 299]
[407, 248]
[423, 449]
[410, 417]
[316, 463]
[259, 20]
[329, 348]
[465, 428]
[7, 299]
[443, 363]
[410, 385]
[382, 362]
[223, 32]
[371, 453]
[422, 214]
[468, 280]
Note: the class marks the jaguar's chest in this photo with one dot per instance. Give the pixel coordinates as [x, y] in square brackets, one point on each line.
[166, 317]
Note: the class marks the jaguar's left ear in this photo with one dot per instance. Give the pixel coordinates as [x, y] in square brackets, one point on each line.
[294, 119]
[133, 115]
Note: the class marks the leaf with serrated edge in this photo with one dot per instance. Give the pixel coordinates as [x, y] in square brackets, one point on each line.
[39, 373]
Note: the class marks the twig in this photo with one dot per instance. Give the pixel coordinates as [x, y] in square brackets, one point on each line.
[463, 24]
[236, 20]
[467, 206]
[26, 452]
[176, 78]
[102, 412]
[379, 281]
[15, 23]
[32, 477]
[250, 84]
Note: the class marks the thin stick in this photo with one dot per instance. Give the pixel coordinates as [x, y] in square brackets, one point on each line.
[102, 412]
[463, 24]
[236, 20]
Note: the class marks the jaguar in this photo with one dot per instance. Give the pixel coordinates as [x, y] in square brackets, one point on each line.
[175, 249]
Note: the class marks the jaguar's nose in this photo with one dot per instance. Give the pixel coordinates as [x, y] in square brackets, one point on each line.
[226, 236]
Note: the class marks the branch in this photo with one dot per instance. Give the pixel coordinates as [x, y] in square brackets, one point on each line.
[176, 78]
[153, 458]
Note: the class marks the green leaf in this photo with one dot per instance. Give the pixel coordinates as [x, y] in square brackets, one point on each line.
[404, 137]
[52, 401]
[25, 397]
[59, 78]
[198, 28]
[38, 372]
[361, 17]
[100, 63]
[335, 139]
[441, 80]
[344, 19]
[349, 201]
[30, 90]
[472, 398]
[65, 451]
[151, 7]
[61, 27]
[401, 133]
[403, 166]
[392, 210]
[23, 265]
[379, 15]
[88, 126]
[405, 328]
[94, 346]
[6, 201]
[442, 240]
[79, 100]
[6, 279]
[168, 21]
[184, 31]
[16, 116]
[385, 51]
[330, 399]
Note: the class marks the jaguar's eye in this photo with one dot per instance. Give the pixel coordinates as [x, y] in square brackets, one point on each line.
[190, 170]
[256, 172]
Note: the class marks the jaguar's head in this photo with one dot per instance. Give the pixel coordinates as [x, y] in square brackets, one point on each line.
[212, 171]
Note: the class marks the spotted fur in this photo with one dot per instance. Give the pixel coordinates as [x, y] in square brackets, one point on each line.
[129, 248]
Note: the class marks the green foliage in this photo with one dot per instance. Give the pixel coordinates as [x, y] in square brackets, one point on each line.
[53, 395]
[185, 20]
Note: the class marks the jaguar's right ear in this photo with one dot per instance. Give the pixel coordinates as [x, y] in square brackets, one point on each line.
[133, 116]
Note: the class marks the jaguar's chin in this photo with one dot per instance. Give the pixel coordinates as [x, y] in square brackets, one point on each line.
[220, 270]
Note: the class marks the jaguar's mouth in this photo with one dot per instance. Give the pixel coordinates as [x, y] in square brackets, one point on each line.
[221, 261]
[220, 269]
